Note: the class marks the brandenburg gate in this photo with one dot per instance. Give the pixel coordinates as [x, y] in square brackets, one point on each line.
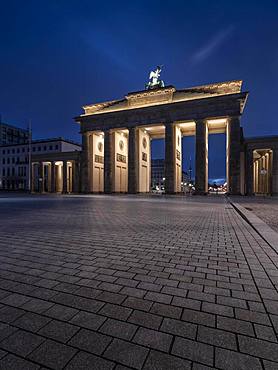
[116, 136]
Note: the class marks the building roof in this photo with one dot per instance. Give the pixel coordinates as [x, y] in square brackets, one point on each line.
[165, 95]
[261, 138]
[13, 127]
[37, 141]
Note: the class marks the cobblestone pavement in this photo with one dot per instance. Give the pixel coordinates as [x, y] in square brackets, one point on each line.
[266, 208]
[134, 283]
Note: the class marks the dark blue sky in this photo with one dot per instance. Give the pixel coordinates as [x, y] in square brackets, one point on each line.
[59, 55]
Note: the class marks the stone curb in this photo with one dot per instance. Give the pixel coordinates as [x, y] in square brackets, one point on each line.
[265, 231]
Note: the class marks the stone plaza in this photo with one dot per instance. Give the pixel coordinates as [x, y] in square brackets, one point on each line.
[134, 282]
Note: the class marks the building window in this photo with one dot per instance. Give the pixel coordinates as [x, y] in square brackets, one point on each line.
[39, 148]
[13, 171]
[23, 150]
[3, 161]
[17, 150]
[8, 151]
[34, 149]
[8, 160]
[3, 152]
[56, 147]
[8, 171]
[13, 151]
[44, 148]
[12, 159]
[50, 147]
[3, 172]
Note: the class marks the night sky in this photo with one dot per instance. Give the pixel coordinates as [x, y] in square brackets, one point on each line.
[59, 55]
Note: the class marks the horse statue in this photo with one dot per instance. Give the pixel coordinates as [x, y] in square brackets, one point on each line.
[154, 81]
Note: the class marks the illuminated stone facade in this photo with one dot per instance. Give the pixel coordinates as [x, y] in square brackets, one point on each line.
[127, 126]
[261, 169]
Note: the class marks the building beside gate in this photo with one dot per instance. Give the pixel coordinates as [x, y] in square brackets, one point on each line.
[55, 166]
[10, 134]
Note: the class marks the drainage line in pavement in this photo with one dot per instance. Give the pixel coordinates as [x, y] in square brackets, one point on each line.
[249, 223]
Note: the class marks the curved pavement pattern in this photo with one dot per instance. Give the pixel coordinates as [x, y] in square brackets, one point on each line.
[111, 282]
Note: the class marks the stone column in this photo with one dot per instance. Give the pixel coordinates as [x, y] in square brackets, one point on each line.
[52, 177]
[169, 158]
[107, 161]
[85, 158]
[65, 177]
[201, 158]
[255, 176]
[32, 180]
[75, 176]
[233, 155]
[250, 175]
[41, 177]
[133, 173]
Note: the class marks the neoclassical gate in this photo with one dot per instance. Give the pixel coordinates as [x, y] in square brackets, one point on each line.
[116, 136]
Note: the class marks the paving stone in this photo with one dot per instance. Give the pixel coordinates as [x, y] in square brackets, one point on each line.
[265, 332]
[37, 305]
[133, 292]
[258, 347]
[77, 302]
[166, 310]
[145, 319]
[269, 365]
[158, 297]
[9, 314]
[21, 343]
[111, 297]
[234, 302]
[58, 330]
[192, 350]
[88, 320]
[53, 354]
[127, 353]
[90, 341]
[180, 328]
[230, 360]
[153, 339]
[207, 267]
[12, 362]
[161, 361]
[234, 325]
[199, 317]
[218, 309]
[118, 329]
[196, 366]
[252, 316]
[186, 303]
[6, 330]
[137, 303]
[31, 322]
[60, 312]
[116, 312]
[216, 337]
[15, 300]
[86, 361]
